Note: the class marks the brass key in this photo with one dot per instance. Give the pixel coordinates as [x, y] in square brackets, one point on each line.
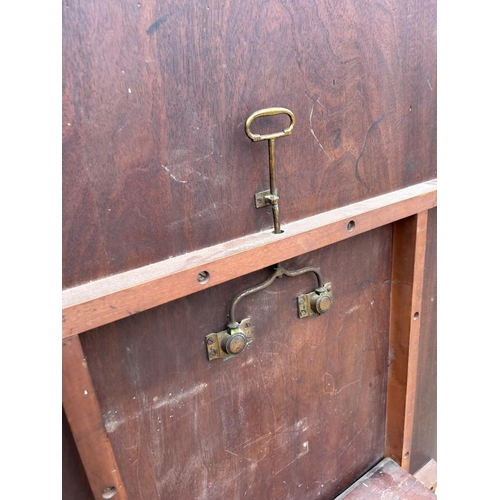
[270, 197]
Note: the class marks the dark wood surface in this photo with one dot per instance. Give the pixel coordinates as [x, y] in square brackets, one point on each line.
[156, 165]
[155, 159]
[115, 297]
[75, 485]
[387, 481]
[299, 414]
[82, 410]
[424, 438]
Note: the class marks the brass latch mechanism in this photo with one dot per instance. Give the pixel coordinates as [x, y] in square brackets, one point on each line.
[238, 335]
[270, 197]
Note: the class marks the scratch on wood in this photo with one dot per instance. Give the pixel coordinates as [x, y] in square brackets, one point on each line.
[300, 455]
[355, 436]
[352, 309]
[253, 441]
[314, 135]
[342, 388]
[176, 399]
[173, 176]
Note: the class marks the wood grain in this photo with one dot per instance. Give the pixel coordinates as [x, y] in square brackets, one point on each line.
[300, 413]
[113, 298]
[158, 183]
[427, 475]
[84, 417]
[424, 438]
[387, 481]
[409, 246]
[156, 162]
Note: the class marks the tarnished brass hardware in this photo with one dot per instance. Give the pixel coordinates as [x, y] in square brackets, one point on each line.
[278, 273]
[262, 199]
[269, 112]
[237, 336]
[315, 303]
[270, 197]
[229, 342]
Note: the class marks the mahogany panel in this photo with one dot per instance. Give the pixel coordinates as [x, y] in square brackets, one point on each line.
[299, 414]
[155, 159]
[424, 437]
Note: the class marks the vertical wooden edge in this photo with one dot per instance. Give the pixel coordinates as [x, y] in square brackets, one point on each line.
[84, 417]
[427, 475]
[408, 262]
[415, 321]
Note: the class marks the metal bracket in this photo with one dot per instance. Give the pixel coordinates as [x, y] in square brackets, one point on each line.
[315, 303]
[261, 199]
[229, 342]
[237, 336]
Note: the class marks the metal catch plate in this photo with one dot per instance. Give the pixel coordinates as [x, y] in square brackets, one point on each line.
[308, 306]
[214, 341]
[265, 198]
[261, 199]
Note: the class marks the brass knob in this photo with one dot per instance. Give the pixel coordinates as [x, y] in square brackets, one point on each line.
[321, 303]
[235, 343]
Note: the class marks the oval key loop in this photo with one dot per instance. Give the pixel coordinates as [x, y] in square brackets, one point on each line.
[269, 112]
[270, 197]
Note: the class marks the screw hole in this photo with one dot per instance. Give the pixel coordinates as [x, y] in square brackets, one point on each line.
[350, 225]
[108, 492]
[203, 277]
[415, 316]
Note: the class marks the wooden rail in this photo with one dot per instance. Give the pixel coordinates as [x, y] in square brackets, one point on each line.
[115, 297]
[84, 416]
[408, 250]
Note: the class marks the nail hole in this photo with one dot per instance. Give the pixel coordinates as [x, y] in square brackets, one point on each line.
[108, 492]
[203, 277]
[350, 225]
[415, 316]
[407, 454]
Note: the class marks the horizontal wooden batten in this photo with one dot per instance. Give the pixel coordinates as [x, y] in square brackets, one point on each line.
[115, 297]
